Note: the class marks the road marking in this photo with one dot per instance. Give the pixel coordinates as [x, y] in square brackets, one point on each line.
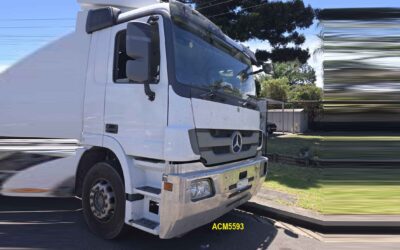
[40, 211]
[34, 223]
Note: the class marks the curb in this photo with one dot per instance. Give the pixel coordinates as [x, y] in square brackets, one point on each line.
[330, 224]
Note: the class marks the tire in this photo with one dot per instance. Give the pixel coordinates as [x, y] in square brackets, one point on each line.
[103, 201]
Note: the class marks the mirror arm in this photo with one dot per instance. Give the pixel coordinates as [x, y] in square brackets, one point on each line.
[257, 72]
[253, 73]
[147, 90]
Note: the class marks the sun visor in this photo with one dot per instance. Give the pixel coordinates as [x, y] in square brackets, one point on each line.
[186, 17]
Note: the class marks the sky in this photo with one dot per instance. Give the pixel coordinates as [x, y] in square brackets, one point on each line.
[26, 25]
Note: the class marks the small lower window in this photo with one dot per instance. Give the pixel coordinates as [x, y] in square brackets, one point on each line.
[121, 58]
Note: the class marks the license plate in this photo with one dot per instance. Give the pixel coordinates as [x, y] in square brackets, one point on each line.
[242, 183]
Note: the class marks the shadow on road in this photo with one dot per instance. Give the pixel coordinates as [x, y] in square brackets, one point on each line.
[59, 224]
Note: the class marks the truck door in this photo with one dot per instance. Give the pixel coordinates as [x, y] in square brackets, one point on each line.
[136, 122]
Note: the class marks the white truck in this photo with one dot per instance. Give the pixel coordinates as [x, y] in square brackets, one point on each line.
[144, 112]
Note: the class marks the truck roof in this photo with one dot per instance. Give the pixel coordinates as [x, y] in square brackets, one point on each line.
[127, 4]
[106, 13]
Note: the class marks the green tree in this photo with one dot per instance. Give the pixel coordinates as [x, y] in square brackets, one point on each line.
[306, 92]
[309, 97]
[274, 22]
[277, 89]
[296, 72]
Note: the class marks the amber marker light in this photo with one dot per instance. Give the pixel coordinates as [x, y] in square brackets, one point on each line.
[168, 186]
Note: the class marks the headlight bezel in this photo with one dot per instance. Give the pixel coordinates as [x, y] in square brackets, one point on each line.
[208, 195]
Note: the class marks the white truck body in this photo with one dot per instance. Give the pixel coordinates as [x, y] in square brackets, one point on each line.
[58, 104]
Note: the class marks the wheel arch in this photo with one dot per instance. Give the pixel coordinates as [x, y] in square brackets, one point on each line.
[111, 151]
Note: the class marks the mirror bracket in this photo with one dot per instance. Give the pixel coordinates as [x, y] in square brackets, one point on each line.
[152, 20]
[150, 93]
[147, 90]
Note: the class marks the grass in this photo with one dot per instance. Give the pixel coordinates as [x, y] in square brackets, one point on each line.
[339, 191]
[331, 146]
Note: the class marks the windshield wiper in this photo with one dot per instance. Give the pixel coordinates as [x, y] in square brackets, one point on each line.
[212, 92]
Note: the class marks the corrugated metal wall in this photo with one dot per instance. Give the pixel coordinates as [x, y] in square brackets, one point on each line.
[289, 120]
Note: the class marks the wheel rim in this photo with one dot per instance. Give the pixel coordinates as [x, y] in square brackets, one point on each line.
[102, 200]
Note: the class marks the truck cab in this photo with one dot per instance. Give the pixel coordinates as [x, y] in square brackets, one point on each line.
[153, 103]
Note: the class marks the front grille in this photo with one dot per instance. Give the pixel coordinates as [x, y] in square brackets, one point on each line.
[221, 150]
[214, 145]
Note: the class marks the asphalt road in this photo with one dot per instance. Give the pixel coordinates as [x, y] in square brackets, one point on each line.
[32, 223]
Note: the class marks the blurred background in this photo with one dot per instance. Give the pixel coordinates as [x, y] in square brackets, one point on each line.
[361, 62]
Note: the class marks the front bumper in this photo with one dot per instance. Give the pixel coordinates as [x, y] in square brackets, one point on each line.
[179, 214]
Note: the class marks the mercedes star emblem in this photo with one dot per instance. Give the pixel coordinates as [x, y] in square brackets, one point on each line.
[236, 146]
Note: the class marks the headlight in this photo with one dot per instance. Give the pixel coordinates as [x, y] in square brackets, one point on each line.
[200, 189]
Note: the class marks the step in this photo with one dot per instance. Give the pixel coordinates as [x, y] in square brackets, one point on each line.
[149, 191]
[146, 225]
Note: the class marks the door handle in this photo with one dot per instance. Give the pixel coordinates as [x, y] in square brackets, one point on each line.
[112, 128]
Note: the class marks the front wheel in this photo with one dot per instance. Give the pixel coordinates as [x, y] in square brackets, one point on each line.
[103, 201]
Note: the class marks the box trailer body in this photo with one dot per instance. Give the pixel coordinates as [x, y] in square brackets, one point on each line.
[185, 154]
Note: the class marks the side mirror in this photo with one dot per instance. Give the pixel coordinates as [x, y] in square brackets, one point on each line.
[137, 70]
[139, 48]
[268, 68]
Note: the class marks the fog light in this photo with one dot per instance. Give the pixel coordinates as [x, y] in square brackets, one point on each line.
[200, 189]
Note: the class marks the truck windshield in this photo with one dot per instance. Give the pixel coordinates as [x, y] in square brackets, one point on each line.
[205, 61]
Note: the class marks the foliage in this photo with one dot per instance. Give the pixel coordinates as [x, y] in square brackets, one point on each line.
[306, 94]
[292, 82]
[296, 72]
[276, 22]
[276, 89]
